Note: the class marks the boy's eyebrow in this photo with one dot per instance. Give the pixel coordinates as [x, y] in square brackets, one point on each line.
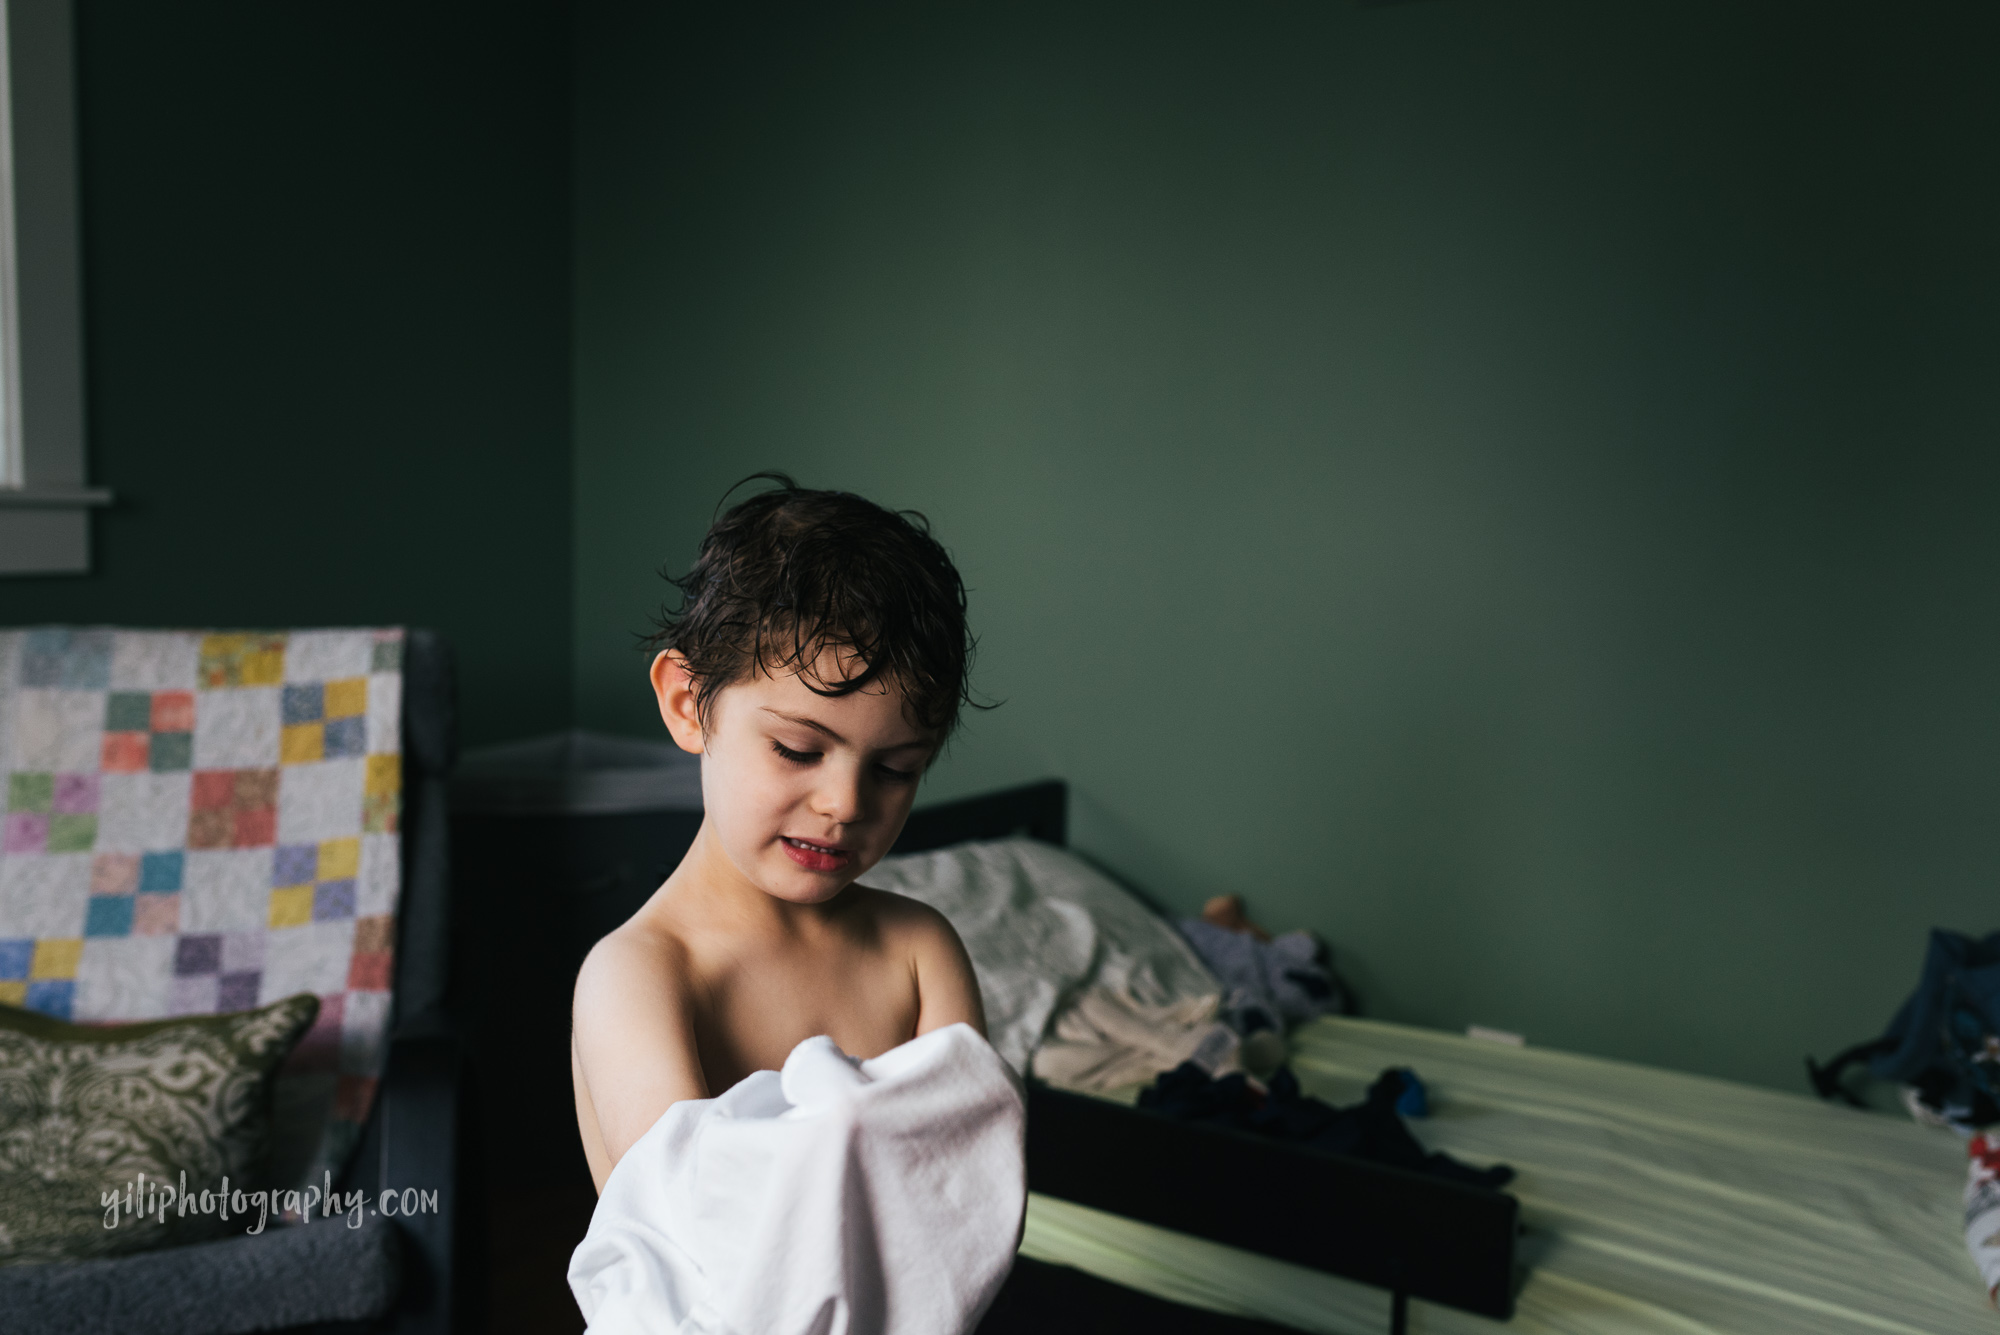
[804, 722]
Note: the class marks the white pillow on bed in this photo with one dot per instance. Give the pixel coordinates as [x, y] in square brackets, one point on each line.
[1041, 926]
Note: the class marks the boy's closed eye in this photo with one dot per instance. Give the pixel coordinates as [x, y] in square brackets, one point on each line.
[889, 773]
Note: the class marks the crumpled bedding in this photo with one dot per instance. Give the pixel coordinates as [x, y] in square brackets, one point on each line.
[1044, 928]
[835, 1197]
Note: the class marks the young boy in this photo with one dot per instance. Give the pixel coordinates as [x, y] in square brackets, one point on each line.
[817, 663]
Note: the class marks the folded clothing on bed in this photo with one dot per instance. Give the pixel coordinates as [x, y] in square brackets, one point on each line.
[1104, 1041]
[878, 1197]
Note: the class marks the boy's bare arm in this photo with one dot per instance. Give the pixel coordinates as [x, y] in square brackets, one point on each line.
[633, 1039]
[947, 988]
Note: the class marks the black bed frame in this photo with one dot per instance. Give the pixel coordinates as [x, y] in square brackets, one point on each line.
[1416, 1236]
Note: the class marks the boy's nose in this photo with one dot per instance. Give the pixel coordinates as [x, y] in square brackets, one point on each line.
[839, 799]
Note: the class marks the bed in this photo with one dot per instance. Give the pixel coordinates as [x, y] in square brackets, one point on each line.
[1650, 1202]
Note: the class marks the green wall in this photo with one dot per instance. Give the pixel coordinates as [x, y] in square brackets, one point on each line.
[1507, 485]
[326, 261]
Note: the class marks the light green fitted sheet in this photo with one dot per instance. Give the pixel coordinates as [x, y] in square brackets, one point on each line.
[1657, 1203]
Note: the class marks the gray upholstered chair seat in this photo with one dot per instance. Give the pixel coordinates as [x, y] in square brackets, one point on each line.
[301, 1275]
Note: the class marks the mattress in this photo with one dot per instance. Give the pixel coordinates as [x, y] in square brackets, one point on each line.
[1655, 1203]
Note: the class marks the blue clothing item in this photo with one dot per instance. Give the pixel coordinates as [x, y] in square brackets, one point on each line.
[1952, 1017]
[1273, 984]
[1944, 1043]
[1415, 1100]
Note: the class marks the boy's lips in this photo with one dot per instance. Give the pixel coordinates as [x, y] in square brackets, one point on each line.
[814, 856]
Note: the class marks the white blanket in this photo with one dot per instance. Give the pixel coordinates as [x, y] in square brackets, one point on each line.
[881, 1197]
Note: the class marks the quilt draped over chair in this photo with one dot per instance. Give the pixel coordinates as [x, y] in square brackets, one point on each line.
[204, 822]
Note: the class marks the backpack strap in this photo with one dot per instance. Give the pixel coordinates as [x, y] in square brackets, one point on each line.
[1826, 1081]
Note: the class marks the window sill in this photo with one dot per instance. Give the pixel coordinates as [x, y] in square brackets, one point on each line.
[46, 530]
[57, 498]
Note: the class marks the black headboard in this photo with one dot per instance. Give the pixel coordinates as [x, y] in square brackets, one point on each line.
[1038, 810]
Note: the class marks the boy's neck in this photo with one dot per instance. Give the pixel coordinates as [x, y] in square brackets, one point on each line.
[708, 887]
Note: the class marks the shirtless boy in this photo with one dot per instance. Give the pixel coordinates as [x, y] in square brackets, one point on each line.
[817, 663]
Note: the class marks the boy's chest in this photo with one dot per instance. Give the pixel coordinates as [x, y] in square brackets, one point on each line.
[752, 1015]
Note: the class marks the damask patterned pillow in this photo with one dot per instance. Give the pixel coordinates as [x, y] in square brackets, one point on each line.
[102, 1127]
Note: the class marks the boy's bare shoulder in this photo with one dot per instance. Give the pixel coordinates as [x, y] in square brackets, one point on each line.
[910, 926]
[640, 954]
[897, 912]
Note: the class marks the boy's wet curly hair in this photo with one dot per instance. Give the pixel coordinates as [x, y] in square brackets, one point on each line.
[790, 573]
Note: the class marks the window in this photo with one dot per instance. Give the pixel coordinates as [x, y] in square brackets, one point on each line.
[45, 503]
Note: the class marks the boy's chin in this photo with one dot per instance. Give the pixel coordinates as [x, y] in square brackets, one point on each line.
[804, 888]
[784, 879]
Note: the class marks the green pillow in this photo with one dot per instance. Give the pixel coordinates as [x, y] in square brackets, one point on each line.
[85, 1110]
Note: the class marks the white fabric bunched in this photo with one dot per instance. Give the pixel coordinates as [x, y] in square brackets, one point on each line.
[837, 1197]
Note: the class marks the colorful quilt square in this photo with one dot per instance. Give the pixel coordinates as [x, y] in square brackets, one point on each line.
[72, 833]
[71, 659]
[369, 971]
[339, 860]
[302, 744]
[15, 956]
[233, 809]
[51, 996]
[161, 872]
[128, 711]
[382, 795]
[255, 829]
[241, 660]
[173, 711]
[292, 906]
[31, 792]
[346, 737]
[346, 699]
[237, 991]
[126, 752]
[156, 915]
[333, 900]
[114, 873]
[26, 832]
[374, 933]
[13, 992]
[75, 794]
[109, 915]
[171, 752]
[195, 955]
[56, 957]
[304, 703]
[213, 790]
[295, 864]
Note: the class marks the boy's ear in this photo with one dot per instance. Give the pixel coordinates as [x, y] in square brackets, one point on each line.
[675, 690]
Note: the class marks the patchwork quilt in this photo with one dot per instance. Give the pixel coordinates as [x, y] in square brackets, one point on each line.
[198, 823]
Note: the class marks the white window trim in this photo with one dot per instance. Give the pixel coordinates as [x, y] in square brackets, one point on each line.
[45, 500]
